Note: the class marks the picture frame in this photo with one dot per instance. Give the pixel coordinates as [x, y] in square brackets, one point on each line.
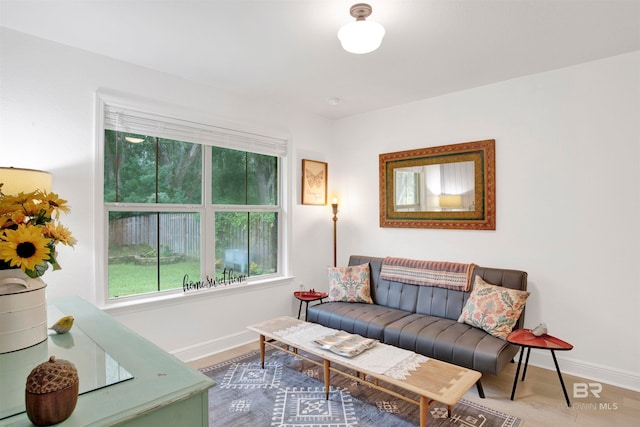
[438, 203]
[314, 182]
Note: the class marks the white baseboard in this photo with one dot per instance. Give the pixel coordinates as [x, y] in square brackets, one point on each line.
[195, 352]
[587, 370]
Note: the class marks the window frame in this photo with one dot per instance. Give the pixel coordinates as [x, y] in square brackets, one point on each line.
[105, 101]
[417, 199]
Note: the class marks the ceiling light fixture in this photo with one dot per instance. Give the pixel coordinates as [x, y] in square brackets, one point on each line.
[361, 36]
[134, 140]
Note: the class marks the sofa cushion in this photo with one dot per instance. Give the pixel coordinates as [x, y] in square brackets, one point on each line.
[493, 309]
[367, 320]
[450, 341]
[350, 284]
[440, 302]
[390, 294]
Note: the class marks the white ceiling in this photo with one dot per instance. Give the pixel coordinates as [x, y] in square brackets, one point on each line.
[288, 50]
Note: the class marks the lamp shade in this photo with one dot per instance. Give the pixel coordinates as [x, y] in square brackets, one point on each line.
[450, 201]
[361, 36]
[16, 180]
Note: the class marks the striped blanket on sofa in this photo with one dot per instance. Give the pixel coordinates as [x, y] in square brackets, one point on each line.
[449, 275]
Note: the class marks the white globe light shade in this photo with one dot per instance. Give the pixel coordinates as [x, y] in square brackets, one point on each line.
[361, 36]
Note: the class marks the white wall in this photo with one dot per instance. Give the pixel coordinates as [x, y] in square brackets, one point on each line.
[47, 122]
[568, 199]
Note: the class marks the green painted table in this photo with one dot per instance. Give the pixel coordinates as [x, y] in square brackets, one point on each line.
[163, 391]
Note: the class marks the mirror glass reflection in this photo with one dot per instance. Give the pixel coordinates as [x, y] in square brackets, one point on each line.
[444, 187]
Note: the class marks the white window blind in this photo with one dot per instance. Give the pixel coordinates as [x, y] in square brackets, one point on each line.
[126, 119]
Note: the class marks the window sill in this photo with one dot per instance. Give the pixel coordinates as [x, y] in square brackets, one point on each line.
[128, 305]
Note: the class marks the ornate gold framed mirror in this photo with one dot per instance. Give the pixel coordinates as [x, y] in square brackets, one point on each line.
[450, 186]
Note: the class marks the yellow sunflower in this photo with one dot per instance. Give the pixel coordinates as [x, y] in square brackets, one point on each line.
[9, 206]
[55, 204]
[33, 208]
[24, 247]
[5, 221]
[19, 218]
[59, 233]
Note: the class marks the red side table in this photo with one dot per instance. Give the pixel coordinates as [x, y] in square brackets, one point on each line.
[525, 339]
[307, 297]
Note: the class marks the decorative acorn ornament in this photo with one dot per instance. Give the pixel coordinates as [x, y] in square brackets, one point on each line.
[51, 392]
[63, 325]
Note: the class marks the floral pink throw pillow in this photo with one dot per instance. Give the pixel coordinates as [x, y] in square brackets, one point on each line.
[350, 284]
[492, 308]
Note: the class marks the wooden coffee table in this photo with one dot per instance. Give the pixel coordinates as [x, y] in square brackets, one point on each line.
[432, 380]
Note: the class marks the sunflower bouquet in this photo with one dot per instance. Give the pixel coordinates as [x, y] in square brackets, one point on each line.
[30, 231]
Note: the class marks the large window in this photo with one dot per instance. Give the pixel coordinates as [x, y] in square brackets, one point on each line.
[182, 208]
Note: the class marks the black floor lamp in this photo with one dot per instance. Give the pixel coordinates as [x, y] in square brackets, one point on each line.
[334, 205]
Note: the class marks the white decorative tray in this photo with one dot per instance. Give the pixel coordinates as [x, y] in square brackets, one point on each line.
[345, 344]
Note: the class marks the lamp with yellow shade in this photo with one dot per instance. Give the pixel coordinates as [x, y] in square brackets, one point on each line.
[450, 201]
[17, 180]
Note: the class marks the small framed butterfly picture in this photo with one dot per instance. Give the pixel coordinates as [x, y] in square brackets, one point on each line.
[314, 182]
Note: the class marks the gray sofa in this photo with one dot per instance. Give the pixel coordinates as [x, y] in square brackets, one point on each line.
[424, 319]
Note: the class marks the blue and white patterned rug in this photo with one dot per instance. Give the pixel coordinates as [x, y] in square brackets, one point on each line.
[290, 393]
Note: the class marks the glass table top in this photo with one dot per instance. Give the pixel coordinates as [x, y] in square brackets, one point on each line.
[96, 368]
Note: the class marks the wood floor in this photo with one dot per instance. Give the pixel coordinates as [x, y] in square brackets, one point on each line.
[539, 400]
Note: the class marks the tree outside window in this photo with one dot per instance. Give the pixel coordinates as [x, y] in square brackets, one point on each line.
[153, 194]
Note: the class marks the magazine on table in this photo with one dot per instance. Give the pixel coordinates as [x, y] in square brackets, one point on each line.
[345, 344]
